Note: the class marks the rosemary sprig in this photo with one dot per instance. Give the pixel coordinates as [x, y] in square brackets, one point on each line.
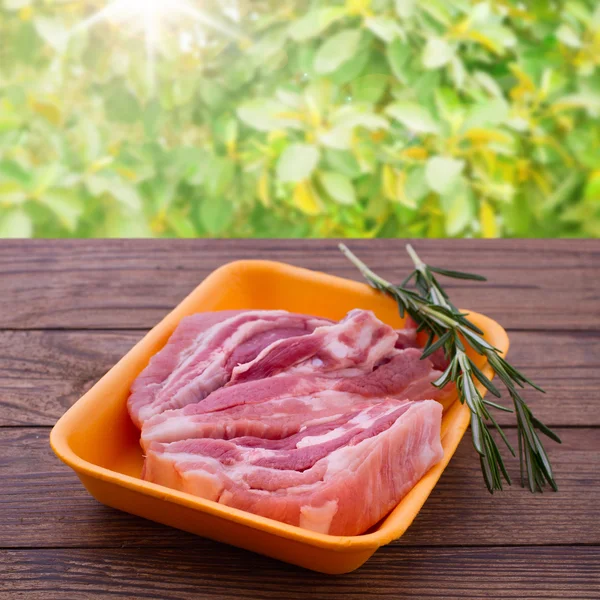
[430, 307]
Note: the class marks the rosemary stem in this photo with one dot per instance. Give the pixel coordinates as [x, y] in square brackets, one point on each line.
[448, 328]
[415, 257]
[369, 275]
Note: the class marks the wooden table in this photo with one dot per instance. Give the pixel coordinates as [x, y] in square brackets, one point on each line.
[70, 309]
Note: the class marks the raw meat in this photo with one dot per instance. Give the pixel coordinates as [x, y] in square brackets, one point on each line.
[405, 376]
[359, 340]
[317, 424]
[202, 352]
[338, 477]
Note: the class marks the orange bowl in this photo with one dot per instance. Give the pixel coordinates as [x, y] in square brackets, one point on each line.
[97, 439]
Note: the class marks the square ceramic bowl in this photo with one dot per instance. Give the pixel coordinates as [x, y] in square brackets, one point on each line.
[98, 440]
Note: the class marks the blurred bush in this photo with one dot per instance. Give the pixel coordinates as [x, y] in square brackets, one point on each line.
[359, 118]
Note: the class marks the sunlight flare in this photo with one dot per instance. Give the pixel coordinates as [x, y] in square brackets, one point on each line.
[150, 16]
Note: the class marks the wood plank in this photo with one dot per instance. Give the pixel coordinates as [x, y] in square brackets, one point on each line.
[43, 372]
[44, 505]
[210, 571]
[534, 284]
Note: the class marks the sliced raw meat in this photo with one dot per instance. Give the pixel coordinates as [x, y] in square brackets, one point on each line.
[202, 352]
[339, 477]
[404, 376]
[270, 419]
[360, 340]
[407, 338]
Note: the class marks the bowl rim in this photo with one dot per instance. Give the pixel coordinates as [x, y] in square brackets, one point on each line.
[393, 525]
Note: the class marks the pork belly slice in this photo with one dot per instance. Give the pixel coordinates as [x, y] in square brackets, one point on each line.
[203, 350]
[403, 376]
[407, 338]
[359, 341]
[269, 419]
[339, 477]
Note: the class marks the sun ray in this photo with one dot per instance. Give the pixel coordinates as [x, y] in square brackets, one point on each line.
[152, 13]
[110, 11]
[151, 34]
[206, 19]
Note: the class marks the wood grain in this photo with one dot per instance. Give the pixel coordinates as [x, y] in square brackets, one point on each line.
[42, 373]
[72, 308]
[533, 284]
[45, 505]
[212, 571]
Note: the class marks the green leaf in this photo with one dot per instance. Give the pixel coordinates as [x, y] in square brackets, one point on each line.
[66, 205]
[181, 225]
[413, 116]
[384, 28]
[487, 220]
[592, 189]
[587, 100]
[11, 193]
[488, 83]
[496, 38]
[337, 138]
[442, 173]
[563, 191]
[490, 113]
[458, 73]
[45, 179]
[216, 214]
[357, 115]
[188, 163]
[437, 53]
[405, 8]
[314, 22]
[242, 72]
[151, 118]
[351, 69]
[438, 10]
[183, 90]
[289, 97]
[9, 118]
[125, 193]
[458, 202]
[226, 130]
[124, 223]
[268, 46]
[345, 121]
[121, 105]
[416, 186]
[449, 106]
[27, 44]
[338, 49]
[568, 36]
[211, 92]
[399, 56]
[338, 186]
[343, 162]
[319, 95]
[53, 32]
[218, 176]
[15, 223]
[581, 12]
[297, 162]
[371, 86]
[265, 114]
[10, 169]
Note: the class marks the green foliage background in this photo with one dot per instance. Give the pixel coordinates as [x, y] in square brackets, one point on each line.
[341, 118]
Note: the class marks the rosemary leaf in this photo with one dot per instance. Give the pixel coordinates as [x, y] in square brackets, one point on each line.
[430, 307]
